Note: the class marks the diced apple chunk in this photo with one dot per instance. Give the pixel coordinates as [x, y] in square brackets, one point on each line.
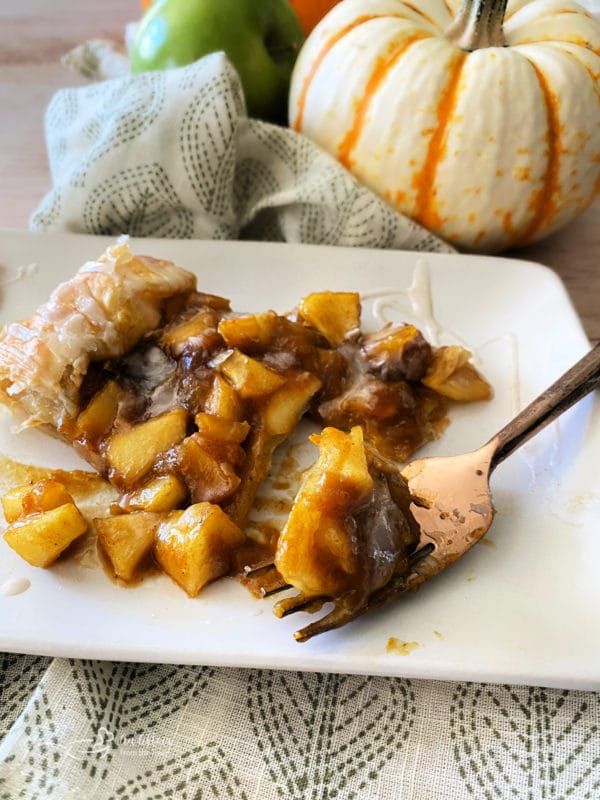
[287, 405]
[44, 495]
[131, 453]
[223, 400]
[316, 552]
[334, 314]
[195, 326]
[164, 493]
[40, 538]
[12, 502]
[196, 546]
[452, 375]
[127, 540]
[269, 332]
[253, 332]
[100, 412]
[221, 429]
[249, 377]
[207, 478]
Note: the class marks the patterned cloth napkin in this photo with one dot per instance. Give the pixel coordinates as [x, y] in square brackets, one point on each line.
[173, 154]
[143, 732]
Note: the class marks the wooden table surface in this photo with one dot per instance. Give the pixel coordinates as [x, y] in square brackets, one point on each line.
[34, 34]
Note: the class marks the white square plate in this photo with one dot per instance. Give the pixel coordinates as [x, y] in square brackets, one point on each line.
[523, 607]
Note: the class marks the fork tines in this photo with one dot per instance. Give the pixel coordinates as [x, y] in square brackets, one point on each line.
[343, 611]
[263, 580]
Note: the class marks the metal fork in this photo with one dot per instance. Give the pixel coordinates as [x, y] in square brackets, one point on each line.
[450, 502]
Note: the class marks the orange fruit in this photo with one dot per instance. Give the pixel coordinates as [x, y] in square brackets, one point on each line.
[309, 12]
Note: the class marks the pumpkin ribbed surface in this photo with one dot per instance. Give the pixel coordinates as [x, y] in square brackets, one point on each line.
[490, 148]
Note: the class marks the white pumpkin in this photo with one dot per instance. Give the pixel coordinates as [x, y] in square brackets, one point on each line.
[482, 126]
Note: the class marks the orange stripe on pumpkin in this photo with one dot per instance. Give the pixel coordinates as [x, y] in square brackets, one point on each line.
[449, 8]
[543, 201]
[421, 13]
[424, 180]
[381, 69]
[329, 44]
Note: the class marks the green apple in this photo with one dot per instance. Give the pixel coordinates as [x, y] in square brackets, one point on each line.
[261, 38]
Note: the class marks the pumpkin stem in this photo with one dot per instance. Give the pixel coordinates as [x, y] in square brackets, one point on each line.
[478, 24]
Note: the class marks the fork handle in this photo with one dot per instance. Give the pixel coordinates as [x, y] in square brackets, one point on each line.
[582, 378]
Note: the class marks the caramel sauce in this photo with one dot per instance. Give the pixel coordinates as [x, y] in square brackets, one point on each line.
[488, 543]
[399, 647]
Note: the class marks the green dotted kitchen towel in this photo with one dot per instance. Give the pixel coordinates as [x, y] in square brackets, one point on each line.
[173, 154]
[131, 731]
